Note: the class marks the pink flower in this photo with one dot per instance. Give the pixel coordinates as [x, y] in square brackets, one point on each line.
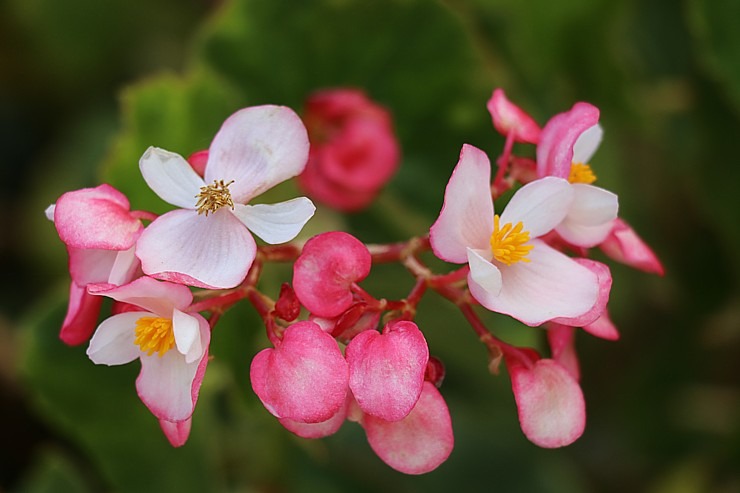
[354, 151]
[566, 146]
[623, 245]
[207, 243]
[510, 119]
[511, 270]
[171, 344]
[100, 232]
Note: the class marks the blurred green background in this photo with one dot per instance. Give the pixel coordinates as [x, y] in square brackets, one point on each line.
[87, 85]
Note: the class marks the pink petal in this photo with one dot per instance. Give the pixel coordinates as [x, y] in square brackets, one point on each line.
[213, 251]
[418, 443]
[304, 378]
[587, 143]
[466, 219]
[177, 432]
[386, 371]
[604, 277]
[317, 430]
[603, 327]
[96, 218]
[625, 246]
[171, 177]
[591, 216]
[328, 265]
[276, 223]
[507, 117]
[113, 342]
[562, 347]
[258, 148]
[540, 205]
[153, 296]
[198, 161]
[558, 138]
[82, 316]
[552, 411]
[551, 285]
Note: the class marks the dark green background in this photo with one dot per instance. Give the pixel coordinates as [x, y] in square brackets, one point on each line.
[87, 85]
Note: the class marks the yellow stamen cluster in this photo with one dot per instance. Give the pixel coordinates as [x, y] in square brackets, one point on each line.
[508, 243]
[581, 173]
[212, 197]
[154, 335]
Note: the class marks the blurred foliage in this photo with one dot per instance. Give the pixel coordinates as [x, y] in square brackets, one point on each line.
[664, 401]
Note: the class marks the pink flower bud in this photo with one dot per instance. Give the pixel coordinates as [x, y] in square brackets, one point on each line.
[435, 372]
[623, 245]
[198, 161]
[287, 305]
[326, 269]
[507, 118]
[353, 149]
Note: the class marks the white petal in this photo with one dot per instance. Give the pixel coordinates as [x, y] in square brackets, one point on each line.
[49, 212]
[591, 216]
[276, 223]
[258, 148]
[187, 335]
[466, 219]
[165, 384]
[171, 177]
[124, 267]
[587, 143]
[113, 341]
[540, 205]
[484, 278]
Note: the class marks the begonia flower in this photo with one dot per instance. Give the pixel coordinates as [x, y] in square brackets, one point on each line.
[207, 242]
[567, 143]
[171, 344]
[99, 231]
[509, 119]
[511, 270]
[354, 151]
[624, 245]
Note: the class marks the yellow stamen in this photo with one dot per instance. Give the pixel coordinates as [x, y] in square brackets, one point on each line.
[508, 243]
[212, 197]
[581, 173]
[154, 335]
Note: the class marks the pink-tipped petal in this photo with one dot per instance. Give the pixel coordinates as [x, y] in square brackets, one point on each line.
[551, 285]
[604, 276]
[82, 316]
[552, 411]
[258, 148]
[317, 430]
[466, 219]
[113, 342]
[562, 347]
[187, 335]
[177, 432]
[153, 296]
[418, 443]
[603, 327]
[508, 117]
[327, 267]
[96, 218]
[483, 275]
[386, 371]
[625, 246]
[540, 205]
[213, 251]
[276, 223]
[559, 136]
[591, 216]
[171, 177]
[587, 143]
[304, 378]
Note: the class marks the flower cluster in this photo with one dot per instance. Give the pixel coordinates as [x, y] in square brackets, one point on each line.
[338, 352]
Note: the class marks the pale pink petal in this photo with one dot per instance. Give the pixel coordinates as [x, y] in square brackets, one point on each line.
[187, 335]
[49, 212]
[507, 117]
[304, 378]
[154, 296]
[604, 276]
[587, 143]
[317, 430]
[551, 285]
[125, 267]
[625, 246]
[96, 218]
[603, 327]
[591, 216]
[562, 347]
[177, 432]
[552, 411]
[171, 177]
[82, 316]
[555, 149]
[386, 371]
[213, 251]
[466, 219]
[276, 223]
[258, 148]
[113, 342]
[88, 266]
[418, 443]
[484, 277]
[540, 205]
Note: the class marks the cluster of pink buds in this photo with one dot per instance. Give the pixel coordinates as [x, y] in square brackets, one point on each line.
[338, 352]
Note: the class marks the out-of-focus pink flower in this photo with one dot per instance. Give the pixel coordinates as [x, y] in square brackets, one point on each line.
[511, 270]
[326, 269]
[625, 246]
[171, 344]
[207, 242]
[99, 231]
[354, 151]
[508, 119]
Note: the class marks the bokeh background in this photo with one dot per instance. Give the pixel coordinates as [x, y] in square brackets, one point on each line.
[87, 85]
